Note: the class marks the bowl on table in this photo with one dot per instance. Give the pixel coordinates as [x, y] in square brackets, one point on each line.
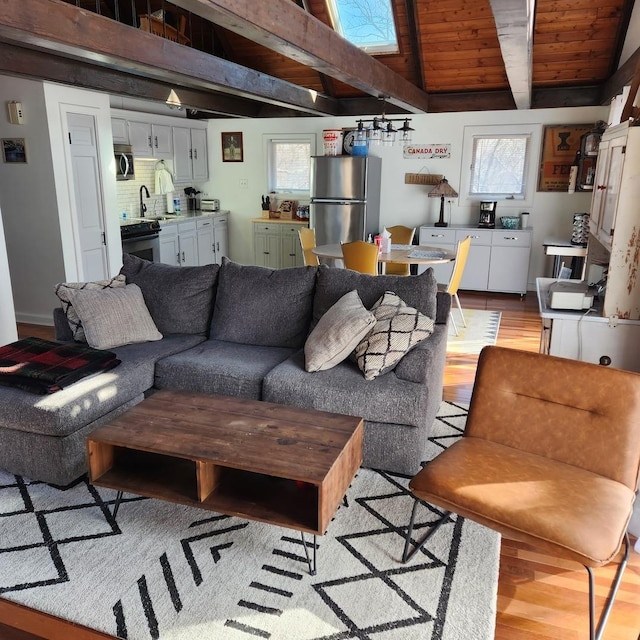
[510, 222]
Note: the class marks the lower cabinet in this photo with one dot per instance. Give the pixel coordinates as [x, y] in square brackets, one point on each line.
[498, 259]
[197, 241]
[276, 244]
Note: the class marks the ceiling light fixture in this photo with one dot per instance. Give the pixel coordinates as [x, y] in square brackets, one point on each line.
[381, 130]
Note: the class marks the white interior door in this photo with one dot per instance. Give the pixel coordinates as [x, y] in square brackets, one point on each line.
[87, 190]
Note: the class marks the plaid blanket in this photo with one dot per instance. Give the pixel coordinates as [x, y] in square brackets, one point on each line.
[41, 366]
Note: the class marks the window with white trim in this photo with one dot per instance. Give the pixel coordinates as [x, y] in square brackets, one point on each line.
[498, 159]
[289, 163]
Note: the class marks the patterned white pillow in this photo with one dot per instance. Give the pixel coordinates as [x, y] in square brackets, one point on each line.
[63, 289]
[398, 329]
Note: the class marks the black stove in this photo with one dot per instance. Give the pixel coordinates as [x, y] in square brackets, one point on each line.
[138, 228]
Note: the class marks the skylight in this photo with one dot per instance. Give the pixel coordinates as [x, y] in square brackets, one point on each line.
[368, 24]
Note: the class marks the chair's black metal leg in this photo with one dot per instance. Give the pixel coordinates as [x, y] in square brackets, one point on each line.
[116, 506]
[312, 565]
[596, 634]
[406, 554]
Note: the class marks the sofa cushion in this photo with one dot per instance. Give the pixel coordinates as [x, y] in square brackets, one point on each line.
[261, 306]
[343, 389]
[179, 299]
[398, 329]
[114, 317]
[70, 409]
[226, 368]
[418, 292]
[337, 333]
[63, 289]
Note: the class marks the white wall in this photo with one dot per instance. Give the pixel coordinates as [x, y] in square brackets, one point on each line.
[28, 203]
[8, 332]
[551, 213]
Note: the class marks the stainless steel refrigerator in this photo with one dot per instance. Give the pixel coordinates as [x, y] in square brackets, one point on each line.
[345, 198]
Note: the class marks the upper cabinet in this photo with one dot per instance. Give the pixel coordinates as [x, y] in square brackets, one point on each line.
[149, 140]
[190, 154]
[614, 219]
[164, 137]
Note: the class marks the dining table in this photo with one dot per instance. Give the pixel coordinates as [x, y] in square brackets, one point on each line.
[399, 254]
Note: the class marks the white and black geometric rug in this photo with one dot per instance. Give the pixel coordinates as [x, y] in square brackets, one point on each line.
[176, 573]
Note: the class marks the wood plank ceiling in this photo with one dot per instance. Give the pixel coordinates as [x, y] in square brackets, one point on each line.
[282, 57]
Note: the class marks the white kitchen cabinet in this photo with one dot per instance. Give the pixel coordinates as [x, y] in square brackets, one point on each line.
[615, 241]
[213, 239]
[498, 258]
[190, 158]
[276, 243]
[119, 131]
[150, 140]
[179, 243]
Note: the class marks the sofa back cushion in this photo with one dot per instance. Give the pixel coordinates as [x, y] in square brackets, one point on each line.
[179, 299]
[261, 306]
[418, 292]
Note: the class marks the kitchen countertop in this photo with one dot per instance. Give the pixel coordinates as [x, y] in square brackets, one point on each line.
[172, 217]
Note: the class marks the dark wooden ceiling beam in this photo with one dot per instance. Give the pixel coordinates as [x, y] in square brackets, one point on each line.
[282, 26]
[514, 23]
[65, 30]
[28, 62]
[621, 78]
[416, 43]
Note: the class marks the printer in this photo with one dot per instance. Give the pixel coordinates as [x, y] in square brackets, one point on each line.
[574, 295]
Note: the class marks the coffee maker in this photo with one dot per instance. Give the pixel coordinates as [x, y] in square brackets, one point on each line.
[487, 215]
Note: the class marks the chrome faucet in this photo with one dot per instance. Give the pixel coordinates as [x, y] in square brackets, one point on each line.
[143, 206]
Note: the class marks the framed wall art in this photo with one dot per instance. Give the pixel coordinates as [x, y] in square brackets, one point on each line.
[232, 150]
[559, 146]
[14, 150]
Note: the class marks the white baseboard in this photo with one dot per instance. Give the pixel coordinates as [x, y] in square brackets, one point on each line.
[35, 318]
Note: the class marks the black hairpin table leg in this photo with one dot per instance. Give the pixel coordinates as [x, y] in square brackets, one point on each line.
[312, 565]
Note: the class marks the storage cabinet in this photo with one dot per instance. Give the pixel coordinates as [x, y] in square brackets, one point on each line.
[276, 243]
[119, 131]
[614, 221]
[179, 243]
[190, 158]
[149, 140]
[212, 239]
[498, 258]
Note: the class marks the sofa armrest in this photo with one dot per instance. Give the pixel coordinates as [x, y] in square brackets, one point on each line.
[443, 302]
[61, 325]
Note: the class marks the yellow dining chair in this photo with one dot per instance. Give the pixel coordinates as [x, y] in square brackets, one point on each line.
[400, 235]
[308, 242]
[462, 252]
[361, 256]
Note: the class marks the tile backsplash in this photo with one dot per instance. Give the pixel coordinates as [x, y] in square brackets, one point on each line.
[129, 191]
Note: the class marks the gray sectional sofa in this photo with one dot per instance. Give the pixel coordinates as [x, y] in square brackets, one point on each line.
[238, 330]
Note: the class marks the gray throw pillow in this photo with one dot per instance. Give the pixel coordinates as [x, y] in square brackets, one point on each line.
[179, 299]
[338, 333]
[398, 329]
[261, 306]
[417, 291]
[63, 289]
[114, 317]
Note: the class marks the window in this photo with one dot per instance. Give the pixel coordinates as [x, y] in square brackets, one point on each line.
[499, 162]
[368, 24]
[289, 163]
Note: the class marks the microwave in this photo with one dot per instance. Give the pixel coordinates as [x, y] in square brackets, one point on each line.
[124, 162]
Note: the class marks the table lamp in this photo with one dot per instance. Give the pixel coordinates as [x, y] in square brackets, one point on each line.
[443, 190]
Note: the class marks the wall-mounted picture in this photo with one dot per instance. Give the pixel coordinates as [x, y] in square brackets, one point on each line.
[14, 150]
[559, 146]
[232, 147]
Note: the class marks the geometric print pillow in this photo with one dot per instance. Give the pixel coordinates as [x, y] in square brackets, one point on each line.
[398, 329]
[62, 291]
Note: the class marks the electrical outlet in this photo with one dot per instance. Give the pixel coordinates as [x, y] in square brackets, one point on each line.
[244, 183]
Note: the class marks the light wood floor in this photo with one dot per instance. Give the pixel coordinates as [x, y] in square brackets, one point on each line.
[539, 596]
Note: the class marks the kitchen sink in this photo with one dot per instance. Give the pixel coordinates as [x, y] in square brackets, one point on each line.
[164, 216]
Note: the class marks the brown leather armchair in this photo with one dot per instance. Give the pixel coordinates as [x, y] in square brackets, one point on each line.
[550, 456]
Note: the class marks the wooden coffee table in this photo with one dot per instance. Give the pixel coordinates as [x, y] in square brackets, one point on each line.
[263, 461]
